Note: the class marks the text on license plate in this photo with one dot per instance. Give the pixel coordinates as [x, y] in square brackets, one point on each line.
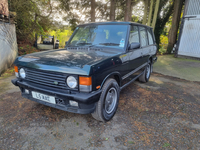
[44, 97]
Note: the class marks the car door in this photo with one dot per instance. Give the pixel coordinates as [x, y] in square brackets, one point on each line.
[152, 44]
[144, 44]
[135, 59]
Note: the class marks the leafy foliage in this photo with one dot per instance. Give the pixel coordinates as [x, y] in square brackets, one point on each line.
[30, 17]
[36, 16]
[166, 8]
[61, 35]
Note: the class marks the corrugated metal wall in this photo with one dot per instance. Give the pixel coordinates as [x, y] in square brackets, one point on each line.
[190, 39]
[192, 7]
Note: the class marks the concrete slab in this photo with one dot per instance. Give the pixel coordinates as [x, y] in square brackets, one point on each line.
[178, 67]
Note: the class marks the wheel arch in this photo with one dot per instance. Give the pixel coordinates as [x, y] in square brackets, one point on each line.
[114, 75]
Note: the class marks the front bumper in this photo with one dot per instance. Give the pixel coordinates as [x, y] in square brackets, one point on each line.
[86, 101]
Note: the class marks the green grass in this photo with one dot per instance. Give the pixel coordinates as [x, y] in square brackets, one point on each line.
[178, 67]
[9, 72]
[131, 142]
[166, 145]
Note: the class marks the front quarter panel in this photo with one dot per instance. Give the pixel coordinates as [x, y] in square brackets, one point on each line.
[114, 66]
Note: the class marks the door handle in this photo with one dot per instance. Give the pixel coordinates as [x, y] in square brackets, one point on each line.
[188, 17]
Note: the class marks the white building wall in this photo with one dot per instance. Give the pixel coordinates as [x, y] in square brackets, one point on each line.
[8, 45]
[190, 37]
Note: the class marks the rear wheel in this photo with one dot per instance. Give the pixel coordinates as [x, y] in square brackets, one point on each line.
[147, 73]
[107, 105]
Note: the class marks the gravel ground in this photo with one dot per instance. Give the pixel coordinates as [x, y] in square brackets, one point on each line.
[162, 114]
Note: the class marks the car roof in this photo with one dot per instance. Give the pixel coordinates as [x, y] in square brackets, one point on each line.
[114, 23]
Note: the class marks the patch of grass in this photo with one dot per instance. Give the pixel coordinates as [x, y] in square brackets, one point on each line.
[166, 145]
[9, 72]
[131, 142]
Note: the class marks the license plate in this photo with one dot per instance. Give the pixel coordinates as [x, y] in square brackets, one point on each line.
[44, 97]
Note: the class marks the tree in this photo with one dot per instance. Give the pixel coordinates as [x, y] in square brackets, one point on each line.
[146, 7]
[93, 6]
[155, 13]
[127, 11]
[32, 17]
[175, 24]
[112, 9]
[166, 7]
[150, 13]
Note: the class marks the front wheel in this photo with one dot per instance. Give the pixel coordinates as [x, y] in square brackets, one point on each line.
[147, 73]
[107, 105]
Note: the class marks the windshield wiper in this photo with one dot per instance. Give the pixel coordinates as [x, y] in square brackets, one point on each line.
[109, 44]
[84, 44]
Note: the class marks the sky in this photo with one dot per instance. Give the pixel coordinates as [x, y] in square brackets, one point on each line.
[137, 11]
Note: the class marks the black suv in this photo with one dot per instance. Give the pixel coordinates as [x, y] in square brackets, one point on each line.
[99, 60]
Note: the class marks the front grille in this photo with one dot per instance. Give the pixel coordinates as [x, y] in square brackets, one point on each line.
[46, 78]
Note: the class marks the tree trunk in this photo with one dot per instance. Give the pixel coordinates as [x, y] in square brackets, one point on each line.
[146, 3]
[161, 22]
[150, 13]
[112, 10]
[175, 24]
[131, 9]
[155, 13]
[93, 6]
[127, 10]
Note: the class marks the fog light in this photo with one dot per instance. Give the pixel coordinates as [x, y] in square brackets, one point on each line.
[73, 103]
[17, 74]
[26, 91]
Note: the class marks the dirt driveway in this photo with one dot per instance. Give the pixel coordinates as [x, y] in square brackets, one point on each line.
[162, 114]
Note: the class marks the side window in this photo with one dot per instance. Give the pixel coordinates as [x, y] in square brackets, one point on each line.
[134, 35]
[143, 36]
[149, 31]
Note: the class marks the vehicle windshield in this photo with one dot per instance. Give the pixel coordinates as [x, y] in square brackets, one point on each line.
[100, 35]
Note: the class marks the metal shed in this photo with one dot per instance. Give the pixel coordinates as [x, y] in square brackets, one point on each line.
[189, 38]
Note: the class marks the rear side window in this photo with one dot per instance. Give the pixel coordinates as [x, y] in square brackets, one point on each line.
[143, 36]
[149, 32]
[134, 35]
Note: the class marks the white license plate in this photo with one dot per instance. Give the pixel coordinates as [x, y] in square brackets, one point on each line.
[44, 97]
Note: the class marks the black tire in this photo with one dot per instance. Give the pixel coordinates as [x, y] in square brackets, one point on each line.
[101, 112]
[147, 73]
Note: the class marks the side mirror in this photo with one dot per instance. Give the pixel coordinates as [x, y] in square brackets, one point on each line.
[134, 45]
[66, 42]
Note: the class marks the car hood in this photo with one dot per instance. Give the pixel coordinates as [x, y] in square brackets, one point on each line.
[66, 61]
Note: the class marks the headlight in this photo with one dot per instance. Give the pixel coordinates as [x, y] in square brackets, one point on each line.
[22, 73]
[71, 82]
